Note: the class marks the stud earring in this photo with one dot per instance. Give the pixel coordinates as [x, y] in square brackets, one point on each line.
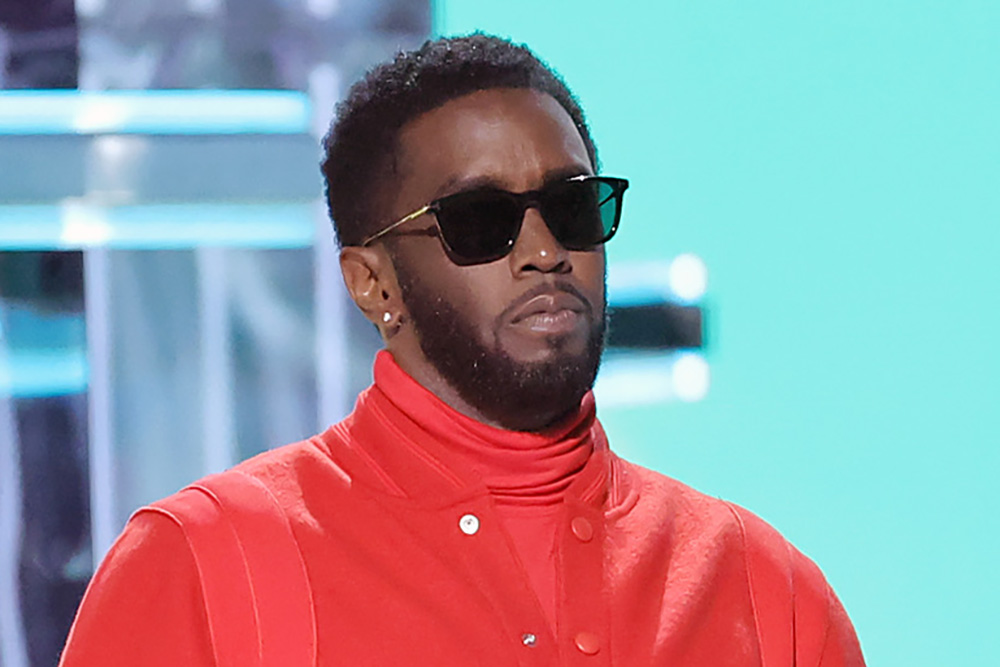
[387, 317]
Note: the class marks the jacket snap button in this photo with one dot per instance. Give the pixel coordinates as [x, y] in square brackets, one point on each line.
[588, 643]
[582, 528]
[469, 524]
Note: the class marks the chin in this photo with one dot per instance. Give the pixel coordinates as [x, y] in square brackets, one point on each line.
[558, 349]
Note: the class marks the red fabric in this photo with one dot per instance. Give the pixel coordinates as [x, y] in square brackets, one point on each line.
[527, 474]
[255, 588]
[518, 468]
[646, 571]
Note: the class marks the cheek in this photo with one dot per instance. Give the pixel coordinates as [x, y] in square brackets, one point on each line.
[472, 293]
[478, 294]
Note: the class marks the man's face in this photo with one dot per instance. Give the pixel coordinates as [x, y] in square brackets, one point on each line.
[518, 338]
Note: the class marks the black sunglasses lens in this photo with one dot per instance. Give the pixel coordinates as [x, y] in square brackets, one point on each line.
[482, 225]
[479, 226]
[581, 214]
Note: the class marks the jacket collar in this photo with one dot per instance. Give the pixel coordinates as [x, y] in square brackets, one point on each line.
[402, 441]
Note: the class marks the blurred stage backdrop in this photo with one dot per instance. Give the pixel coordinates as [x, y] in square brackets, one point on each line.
[804, 290]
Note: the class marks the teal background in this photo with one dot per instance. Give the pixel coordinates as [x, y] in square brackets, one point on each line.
[837, 166]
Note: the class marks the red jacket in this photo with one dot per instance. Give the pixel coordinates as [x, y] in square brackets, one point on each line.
[408, 562]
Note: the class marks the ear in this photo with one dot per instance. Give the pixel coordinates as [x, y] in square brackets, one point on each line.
[371, 281]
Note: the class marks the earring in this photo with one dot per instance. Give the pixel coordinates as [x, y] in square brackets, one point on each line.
[387, 317]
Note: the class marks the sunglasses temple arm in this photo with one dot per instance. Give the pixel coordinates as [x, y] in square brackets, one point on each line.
[416, 214]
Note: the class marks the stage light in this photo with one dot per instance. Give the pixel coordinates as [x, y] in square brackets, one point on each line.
[690, 377]
[83, 226]
[688, 277]
[159, 112]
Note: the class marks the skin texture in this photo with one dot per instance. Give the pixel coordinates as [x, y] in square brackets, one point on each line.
[513, 139]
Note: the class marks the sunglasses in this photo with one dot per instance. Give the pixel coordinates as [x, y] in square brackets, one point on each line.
[480, 226]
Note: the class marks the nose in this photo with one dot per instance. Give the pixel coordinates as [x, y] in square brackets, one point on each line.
[536, 249]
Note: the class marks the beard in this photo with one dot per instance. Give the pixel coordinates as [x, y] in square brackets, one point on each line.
[519, 396]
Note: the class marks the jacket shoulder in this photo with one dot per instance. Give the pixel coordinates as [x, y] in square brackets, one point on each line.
[788, 588]
[702, 513]
[166, 625]
[236, 518]
[281, 477]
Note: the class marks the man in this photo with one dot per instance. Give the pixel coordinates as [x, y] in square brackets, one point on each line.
[469, 511]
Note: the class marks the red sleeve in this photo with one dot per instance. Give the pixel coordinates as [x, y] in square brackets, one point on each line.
[144, 605]
[824, 635]
[841, 646]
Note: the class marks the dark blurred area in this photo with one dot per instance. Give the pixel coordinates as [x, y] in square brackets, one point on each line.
[41, 43]
[40, 40]
[655, 326]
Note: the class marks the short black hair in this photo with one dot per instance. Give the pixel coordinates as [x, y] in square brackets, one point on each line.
[362, 141]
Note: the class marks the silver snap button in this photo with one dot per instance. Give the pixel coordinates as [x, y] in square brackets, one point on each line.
[469, 524]
[529, 639]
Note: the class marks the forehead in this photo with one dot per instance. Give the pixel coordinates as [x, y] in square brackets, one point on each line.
[511, 138]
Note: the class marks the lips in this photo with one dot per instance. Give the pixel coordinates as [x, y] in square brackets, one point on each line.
[548, 303]
[549, 310]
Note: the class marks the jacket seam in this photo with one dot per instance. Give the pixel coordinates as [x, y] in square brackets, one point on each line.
[197, 563]
[747, 569]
